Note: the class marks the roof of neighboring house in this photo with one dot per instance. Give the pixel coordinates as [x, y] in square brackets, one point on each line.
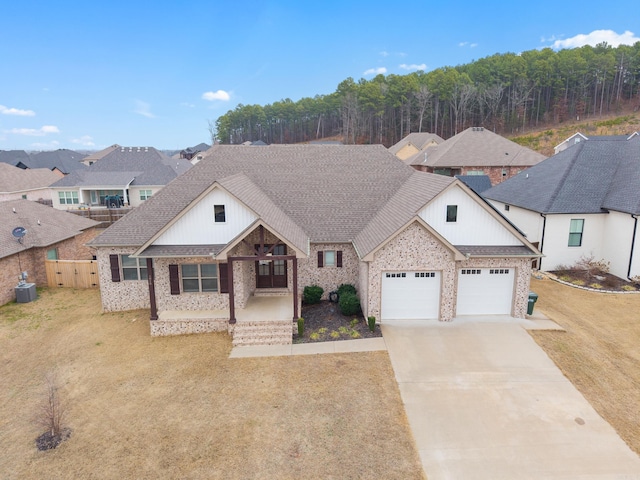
[136, 165]
[476, 147]
[99, 155]
[14, 179]
[325, 193]
[477, 183]
[66, 161]
[45, 225]
[589, 177]
[14, 157]
[417, 139]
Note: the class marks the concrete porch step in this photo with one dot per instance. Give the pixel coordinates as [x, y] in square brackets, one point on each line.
[262, 333]
[271, 292]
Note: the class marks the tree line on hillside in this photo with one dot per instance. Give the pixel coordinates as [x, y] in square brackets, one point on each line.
[506, 93]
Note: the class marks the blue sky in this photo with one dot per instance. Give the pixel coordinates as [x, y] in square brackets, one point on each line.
[86, 75]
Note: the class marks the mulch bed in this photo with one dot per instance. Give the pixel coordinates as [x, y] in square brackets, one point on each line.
[47, 440]
[324, 322]
[598, 281]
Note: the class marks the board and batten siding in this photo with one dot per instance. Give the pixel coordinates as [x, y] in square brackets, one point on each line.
[474, 225]
[529, 222]
[197, 226]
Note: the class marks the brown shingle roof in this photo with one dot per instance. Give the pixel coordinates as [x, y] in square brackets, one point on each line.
[14, 179]
[55, 225]
[477, 147]
[417, 139]
[329, 192]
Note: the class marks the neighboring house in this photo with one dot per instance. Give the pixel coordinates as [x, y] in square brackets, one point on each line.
[476, 151]
[247, 221]
[50, 234]
[97, 156]
[132, 173]
[189, 153]
[63, 160]
[16, 158]
[477, 183]
[27, 184]
[413, 144]
[579, 137]
[582, 201]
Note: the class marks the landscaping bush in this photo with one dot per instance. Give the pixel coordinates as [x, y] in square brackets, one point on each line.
[371, 321]
[349, 303]
[312, 294]
[346, 288]
[301, 327]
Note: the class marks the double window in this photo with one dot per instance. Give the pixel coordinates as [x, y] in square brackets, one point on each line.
[199, 277]
[68, 198]
[145, 194]
[133, 268]
[576, 229]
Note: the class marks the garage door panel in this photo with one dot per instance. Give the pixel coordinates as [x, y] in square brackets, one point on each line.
[410, 295]
[485, 291]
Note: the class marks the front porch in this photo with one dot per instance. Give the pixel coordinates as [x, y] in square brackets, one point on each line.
[266, 319]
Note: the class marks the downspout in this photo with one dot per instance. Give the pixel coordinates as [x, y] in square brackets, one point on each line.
[544, 226]
[633, 243]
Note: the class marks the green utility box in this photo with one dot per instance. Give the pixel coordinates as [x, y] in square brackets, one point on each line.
[533, 298]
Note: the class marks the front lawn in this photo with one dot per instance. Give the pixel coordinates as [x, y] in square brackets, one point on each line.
[600, 350]
[178, 407]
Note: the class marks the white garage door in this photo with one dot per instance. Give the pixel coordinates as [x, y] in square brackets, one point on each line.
[410, 295]
[485, 291]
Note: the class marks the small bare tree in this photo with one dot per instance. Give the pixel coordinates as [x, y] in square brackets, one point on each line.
[50, 415]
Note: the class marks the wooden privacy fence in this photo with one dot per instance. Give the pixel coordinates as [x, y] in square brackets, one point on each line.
[72, 273]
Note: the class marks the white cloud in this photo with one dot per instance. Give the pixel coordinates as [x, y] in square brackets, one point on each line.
[413, 66]
[375, 71]
[85, 140]
[144, 109]
[52, 145]
[219, 95]
[34, 132]
[384, 54]
[597, 36]
[16, 111]
[468, 44]
[187, 104]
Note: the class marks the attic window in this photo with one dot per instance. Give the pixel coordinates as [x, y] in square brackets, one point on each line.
[219, 214]
[452, 213]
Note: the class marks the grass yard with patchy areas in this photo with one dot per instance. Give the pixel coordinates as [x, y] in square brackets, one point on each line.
[600, 350]
[178, 407]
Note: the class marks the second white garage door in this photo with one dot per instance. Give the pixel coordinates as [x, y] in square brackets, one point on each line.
[485, 291]
[410, 295]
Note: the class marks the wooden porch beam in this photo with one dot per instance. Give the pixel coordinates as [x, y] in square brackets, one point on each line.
[152, 289]
[232, 307]
[295, 288]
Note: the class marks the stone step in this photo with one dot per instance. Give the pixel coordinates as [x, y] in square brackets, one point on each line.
[271, 292]
[262, 333]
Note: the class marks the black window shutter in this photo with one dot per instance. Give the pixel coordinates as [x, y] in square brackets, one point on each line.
[339, 258]
[115, 268]
[321, 259]
[174, 280]
[223, 277]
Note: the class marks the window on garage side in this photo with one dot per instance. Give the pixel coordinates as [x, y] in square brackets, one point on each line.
[133, 268]
[452, 213]
[576, 229]
[219, 214]
[199, 277]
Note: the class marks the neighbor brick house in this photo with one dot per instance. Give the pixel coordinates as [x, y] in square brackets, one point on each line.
[246, 221]
[476, 151]
[51, 234]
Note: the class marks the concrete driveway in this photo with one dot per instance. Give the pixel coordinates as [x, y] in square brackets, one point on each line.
[485, 402]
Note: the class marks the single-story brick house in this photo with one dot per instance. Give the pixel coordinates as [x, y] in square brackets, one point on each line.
[246, 220]
[51, 234]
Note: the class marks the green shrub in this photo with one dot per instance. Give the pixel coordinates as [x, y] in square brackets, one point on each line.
[301, 327]
[312, 294]
[349, 303]
[371, 321]
[346, 288]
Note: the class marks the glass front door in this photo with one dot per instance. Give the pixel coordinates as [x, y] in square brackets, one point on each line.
[272, 273]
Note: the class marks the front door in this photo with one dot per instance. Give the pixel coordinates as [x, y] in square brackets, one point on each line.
[272, 273]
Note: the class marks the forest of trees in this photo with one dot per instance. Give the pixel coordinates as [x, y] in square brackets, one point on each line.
[506, 93]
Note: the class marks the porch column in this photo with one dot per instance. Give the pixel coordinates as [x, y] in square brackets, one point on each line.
[294, 263]
[232, 307]
[152, 289]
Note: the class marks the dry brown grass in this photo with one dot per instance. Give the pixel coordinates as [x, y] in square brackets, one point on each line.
[142, 407]
[599, 352]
